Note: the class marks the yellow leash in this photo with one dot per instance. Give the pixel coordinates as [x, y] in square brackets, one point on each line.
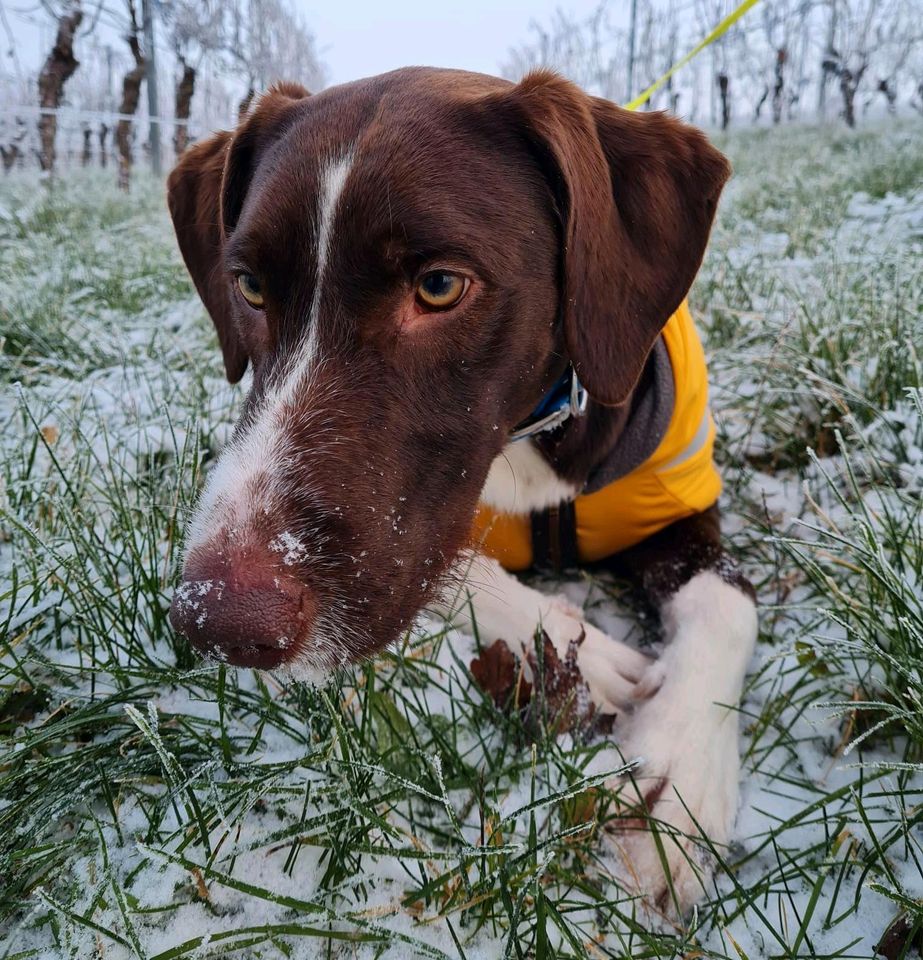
[719, 31]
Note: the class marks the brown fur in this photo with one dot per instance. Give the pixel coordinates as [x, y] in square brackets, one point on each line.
[672, 557]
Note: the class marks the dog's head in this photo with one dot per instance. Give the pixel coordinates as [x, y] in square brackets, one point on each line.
[408, 263]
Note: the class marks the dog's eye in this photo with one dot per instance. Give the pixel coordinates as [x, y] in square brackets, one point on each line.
[250, 288]
[439, 289]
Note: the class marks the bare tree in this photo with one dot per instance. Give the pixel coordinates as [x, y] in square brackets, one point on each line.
[777, 22]
[196, 30]
[778, 86]
[86, 154]
[897, 40]
[656, 53]
[708, 13]
[916, 100]
[828, 58]
[724, 87]
[798, 47]
[593, 52]
[266, 41]
[863, 32]
[131, 94]
[850, 78]
[670, 57]
[646, 60]
[767, 62]
[182, 107]
[58, 68]
[12, 150]
[590, 52]
[10, 154]
[92, 89]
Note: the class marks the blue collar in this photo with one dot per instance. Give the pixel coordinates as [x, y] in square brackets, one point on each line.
[566, 399]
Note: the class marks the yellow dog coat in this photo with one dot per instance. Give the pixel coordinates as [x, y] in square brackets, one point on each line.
[678, 480]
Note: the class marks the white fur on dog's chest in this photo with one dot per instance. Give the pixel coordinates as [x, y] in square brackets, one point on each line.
[521, 480]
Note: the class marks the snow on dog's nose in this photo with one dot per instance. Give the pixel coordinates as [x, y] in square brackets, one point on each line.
[238, 604]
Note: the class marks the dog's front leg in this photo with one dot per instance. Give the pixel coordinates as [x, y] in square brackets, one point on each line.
[503, 608]
[684, 731]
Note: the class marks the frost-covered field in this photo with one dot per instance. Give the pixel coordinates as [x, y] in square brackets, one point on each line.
[154, 807]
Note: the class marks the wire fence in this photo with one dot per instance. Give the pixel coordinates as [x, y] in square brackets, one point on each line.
[86, 138]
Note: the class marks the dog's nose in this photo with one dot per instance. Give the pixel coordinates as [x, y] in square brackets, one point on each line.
[242, 609]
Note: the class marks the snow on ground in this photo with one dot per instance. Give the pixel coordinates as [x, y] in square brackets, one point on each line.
[154, 807]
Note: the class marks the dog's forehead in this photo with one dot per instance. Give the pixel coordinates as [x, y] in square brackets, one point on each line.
[418, 100]
[406, 140]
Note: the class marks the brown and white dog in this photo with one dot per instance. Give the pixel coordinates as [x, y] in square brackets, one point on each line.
[410, 263]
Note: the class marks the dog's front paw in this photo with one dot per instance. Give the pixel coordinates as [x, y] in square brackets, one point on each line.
[611, 669]
[683, 790]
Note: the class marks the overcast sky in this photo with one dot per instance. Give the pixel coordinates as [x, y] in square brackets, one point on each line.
[358, 38]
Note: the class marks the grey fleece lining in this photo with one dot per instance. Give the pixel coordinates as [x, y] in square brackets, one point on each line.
[650, 417]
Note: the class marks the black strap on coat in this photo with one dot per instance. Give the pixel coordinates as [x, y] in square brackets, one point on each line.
[554, 538]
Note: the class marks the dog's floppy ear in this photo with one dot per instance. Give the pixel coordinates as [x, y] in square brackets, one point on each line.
[636, 193]
[205, 194]
[194, 196]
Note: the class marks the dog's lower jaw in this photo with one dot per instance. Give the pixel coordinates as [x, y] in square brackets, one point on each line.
[685, 737]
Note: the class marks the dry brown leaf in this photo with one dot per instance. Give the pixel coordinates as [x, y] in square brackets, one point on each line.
[498, 672]
[901, 939]
[200, 886]
[564, 693]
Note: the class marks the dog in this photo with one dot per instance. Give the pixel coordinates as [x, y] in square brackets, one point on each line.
[463, 302]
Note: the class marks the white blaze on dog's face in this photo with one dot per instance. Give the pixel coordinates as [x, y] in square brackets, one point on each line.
[407, 263]
[255, 461]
